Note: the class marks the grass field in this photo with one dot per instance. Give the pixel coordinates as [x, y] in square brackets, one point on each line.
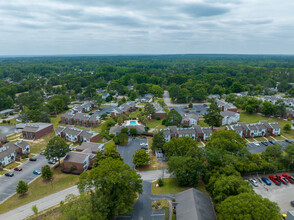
[39, 189]
[155, 124]
[12, 165]
[40, 144]
[171, 186]
[13, 122]
[110, 146]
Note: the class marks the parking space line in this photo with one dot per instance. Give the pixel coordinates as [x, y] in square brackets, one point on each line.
[255, 140]
[274, 138]
[265, 138]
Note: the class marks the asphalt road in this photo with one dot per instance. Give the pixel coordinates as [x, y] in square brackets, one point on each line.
[8, 184]
[127, 151]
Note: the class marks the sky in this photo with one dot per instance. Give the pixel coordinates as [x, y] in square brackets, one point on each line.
[52, 27]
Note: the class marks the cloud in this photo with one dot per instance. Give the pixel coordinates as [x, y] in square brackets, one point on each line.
[204, 10]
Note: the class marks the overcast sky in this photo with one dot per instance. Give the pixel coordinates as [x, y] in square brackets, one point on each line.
[37, 27]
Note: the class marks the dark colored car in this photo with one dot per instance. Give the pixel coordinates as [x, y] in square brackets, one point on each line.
[275, 180]
[33, 159]
[271, 141]
[42, 152]
[282, 179]
[266, 180]
[18, 169]
[91, 113]
[292, 203]
[288, 177]
[9, 174]
[288, 141]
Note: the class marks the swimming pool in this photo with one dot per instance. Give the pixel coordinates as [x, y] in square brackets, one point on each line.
[133, 123]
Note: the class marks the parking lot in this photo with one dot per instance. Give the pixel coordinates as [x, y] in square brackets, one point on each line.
[8, 184]
[281, 194]
[259, 147]
[105, 110]
[127, 151]
[198, 109]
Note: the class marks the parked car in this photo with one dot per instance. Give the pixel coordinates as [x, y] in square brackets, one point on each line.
[253, 182]
[18, 169]
[264, 143]
[266, 180]
[42, 152]
[275, 180]
[37, 172]
[271, 141]
[9, 174]
[288, 177]
[91, 113]
[256, 144]
[33, 159]
[292, 203]
[288, 141]
[282, 179]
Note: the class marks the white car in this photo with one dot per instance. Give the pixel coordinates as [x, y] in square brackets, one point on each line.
[256, 144]
[253, 182]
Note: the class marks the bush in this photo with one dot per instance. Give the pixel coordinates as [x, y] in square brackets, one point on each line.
[111, 135]
[35, 209]
[22, 187]
[160, 182]
[72, 168]
[46, 172]
[158, 118]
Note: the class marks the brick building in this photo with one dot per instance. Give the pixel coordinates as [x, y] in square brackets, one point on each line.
[36, 130]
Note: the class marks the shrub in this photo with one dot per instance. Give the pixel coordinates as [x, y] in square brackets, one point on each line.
[111, 135]
[35, 209]
[22, 187]
[160, 182]
[72, 168]
[158, 118]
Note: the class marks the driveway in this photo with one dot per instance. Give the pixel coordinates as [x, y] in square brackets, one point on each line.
[127, 151]
[7, 130]
[8, 184]
[261, 147]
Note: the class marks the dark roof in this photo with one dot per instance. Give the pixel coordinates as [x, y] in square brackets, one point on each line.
[7, 149]
[21, 144]
[94, 147]
[88, 133]
[228, 113]
[194, 205]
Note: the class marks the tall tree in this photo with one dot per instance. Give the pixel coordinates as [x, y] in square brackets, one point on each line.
[56, 148]
[141, 158]
[248, 206]
[213, 116]
[114, 183]
[149, 109]
[172, 118]
[46, 172]
[22, 187]
[158, 141]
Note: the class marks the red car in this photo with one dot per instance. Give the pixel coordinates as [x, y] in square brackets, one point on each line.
[282, 179]
[18, 169]
[275, 180]
[288, 177]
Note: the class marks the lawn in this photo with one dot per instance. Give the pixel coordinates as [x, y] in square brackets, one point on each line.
[2, 172]
[40, 144]
[13, 122]
[110, 146]
[12, 165]
[39, 189]
[155, 124]
[134, 114]
[171, 186]
[202, 123]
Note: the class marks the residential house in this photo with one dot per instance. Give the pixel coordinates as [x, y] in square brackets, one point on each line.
[9, 151]
[36, 130]
[6, 112]
[214, 96]
[75, 135]
[80, 119]
[3, 139]
[159, 111]
[147, 98]
[105, 95]
[229, 117]
[124, 108]
[190, 120]
[260, 129]
[83, 157]
[273, 99]
[194, 204]
[85, 107]
[226, 106]
[196, 132]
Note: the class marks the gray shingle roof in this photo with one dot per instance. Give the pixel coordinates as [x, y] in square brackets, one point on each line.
[35, 127]
[76, 157]
[94, 147]
[7, 149]
[194, 205]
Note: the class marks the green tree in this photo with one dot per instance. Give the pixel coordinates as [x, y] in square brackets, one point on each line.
[156, 90]
[5, 101]
[182, 146]
[141, 158]
[289, 157]
[149, 109]
[287, 127]
[280, 108]
[187, 170]
[46, 172]
[114, 183]
[22, 187]
[267, 108]
[230, 98]
[272, 152]
[35, 209]
[123, 138]
[236, 87]
[172, 118]
[251, 105]
[213, 116]
[190, 105]
[158, 141]
[232, 185]
[133, 131]
[56, 148]
[248, 206]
